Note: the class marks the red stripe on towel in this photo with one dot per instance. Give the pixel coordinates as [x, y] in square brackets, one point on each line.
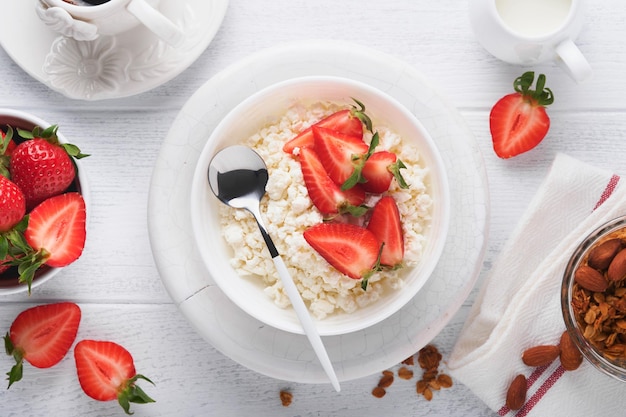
[559, 371]
[610, 187]
[543, 389]
[537, 372]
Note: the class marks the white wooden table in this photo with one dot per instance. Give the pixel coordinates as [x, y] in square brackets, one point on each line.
[117, 284]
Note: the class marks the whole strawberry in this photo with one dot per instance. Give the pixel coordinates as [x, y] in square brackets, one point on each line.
[12, 204]
[41, 166]
[518, 121]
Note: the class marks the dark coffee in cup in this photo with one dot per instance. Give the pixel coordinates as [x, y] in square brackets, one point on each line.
[86, 2]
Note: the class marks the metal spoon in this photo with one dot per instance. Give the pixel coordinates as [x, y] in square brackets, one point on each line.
[238, 176]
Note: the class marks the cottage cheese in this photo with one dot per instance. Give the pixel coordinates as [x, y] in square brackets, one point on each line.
[288, 211]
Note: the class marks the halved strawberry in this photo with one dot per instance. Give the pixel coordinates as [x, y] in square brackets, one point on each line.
[42, 336]
[56, 228]
[352, 250]
[41, 166]
[106, 371]
[326, 196]
[386, 225]
[340, 154]
[518, 121]
[348, 121]
[379, 169]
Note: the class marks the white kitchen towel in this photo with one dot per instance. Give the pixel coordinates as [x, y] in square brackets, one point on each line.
[519, 302]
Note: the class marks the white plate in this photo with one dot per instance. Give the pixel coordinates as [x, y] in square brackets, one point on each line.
[110, 66]
[271, 351]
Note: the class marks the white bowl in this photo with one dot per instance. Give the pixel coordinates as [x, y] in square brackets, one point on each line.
[26, 121]
[266, 106]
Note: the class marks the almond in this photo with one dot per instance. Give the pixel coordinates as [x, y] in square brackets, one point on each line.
[617, 268]
[516, 394]
[540, 355]
[601, 256]
[571, 358]
[590, 279]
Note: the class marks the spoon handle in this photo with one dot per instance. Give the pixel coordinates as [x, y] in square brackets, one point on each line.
[305, 320]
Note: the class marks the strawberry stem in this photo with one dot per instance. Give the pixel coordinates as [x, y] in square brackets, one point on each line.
[359, 113]
[5, 160]
[395, 170]
[542, 95]
[50, 134]
[356, 176]
[16, 372]
[133, 394]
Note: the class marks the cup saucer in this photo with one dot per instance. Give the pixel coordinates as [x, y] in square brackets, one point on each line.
[110, 66]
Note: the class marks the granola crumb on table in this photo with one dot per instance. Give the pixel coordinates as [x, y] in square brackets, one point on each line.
[286, 398]
[429, 359]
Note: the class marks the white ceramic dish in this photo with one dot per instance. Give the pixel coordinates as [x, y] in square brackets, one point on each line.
[19, 119]
[110, 66]
[281, 354]
[249, 117]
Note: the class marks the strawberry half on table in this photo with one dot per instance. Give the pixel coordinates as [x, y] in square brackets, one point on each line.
[106, 371]
[41, 336]
[518, 121]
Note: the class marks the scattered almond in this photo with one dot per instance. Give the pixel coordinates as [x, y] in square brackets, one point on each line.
[540, 355]
[601, 256]
[516, 394]
[617, 268]
[571, 358]
[590, 279]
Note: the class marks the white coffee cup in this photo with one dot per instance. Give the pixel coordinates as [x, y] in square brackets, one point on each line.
[528, 32]
[86, 22]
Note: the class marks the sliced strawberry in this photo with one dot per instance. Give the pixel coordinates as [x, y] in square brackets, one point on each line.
[518, 121]
[352, 250]
[57, 227]
[339, 153]
[348, 121]
[326, 196]
[386, 225]
[379, 169]
[12, 204]
[106, 371]
[42, 336]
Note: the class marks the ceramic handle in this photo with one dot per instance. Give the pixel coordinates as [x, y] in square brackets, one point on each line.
[156, 22]
[572, 60]
[305, 320]
[296, 300]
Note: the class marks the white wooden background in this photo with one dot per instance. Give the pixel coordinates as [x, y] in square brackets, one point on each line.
[116, 282]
